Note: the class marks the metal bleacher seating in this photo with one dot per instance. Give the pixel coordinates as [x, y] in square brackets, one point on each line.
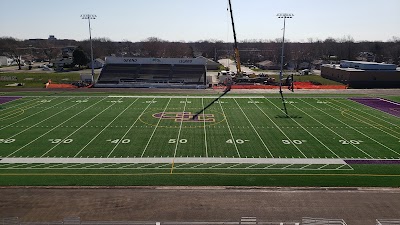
[152, 75]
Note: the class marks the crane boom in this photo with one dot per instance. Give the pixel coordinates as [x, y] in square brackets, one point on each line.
[236, 49]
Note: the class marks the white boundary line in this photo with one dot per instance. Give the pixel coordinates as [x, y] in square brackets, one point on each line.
[251, 124]
[393, 102]
[34, 114]
[340, 104]
[105, 128]
[155, 128]
[181, 160]
[308, 132]
[205, 131]
[229, 128]
[130, 128]
[357, 130]
[375, 110]
[177, 96]
[55, 126]
[281, 131]
[180, 128]
[332, 131]
[42, 121]
[98, 114]
[369, 124]
[20, 104]
[365, 134]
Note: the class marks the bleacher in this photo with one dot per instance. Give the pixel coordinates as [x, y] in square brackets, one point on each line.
[152, 73]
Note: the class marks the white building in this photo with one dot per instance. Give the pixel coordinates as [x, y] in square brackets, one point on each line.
[5, 61]
[97, 63]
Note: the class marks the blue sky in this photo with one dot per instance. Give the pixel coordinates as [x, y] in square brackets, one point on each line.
[189, 20]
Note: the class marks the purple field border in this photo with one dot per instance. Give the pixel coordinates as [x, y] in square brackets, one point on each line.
[5, 99]
[393, 108]
[372, 161]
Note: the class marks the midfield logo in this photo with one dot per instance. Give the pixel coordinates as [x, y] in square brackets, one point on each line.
[185, 117]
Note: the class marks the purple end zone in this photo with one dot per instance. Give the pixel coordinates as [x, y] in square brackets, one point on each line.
[5, 99]
[372, 161]
[384, 105]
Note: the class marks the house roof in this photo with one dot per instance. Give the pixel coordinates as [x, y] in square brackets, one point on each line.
[209, 61]
[100, 60]
[266, 63]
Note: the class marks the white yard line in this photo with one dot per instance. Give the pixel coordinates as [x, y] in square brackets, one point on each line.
[251, 166]
[130, 128]
[55, 126]
[21, 104]
[267, 167]
[104, 167]
[184, 161]
[89, 166]
[340, 167]
[83, 125]
[51, 166]
[22, 108]
[197, 165]
[34, 166]
[177, 96]
[377, 117]
[281, 131]
[71, 166]
[163, 165]
[304, 166]
[287, 166]
[140, 167]
[181, 165]
[308, 132]
[248, 120]
[219, 164]
[34, 114]
[104, 128]
[356, 130]
[229, 128]
[179, 132]
[122, 167]
[395, 103]
[371, 122]
[229, 167]
[205, 131]
[322, 166]
[17, 166]
[332, 131]
[155, 128]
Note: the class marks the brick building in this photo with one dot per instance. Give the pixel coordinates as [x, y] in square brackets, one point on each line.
[358, 74]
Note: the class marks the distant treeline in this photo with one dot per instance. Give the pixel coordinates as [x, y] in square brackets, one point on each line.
[251, 51]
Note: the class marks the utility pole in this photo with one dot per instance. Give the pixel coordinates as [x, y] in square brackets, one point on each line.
[89, 17]
[283, 16]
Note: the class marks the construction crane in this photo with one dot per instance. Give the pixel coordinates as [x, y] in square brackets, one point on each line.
[235, 46]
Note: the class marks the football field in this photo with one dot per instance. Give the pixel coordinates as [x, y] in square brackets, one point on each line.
[158, 134]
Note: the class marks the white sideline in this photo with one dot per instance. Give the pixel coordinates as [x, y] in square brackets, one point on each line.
[166, 96]
[178, 160]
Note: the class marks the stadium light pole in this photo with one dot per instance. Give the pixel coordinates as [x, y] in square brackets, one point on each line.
[283, 16]
[89, 17]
